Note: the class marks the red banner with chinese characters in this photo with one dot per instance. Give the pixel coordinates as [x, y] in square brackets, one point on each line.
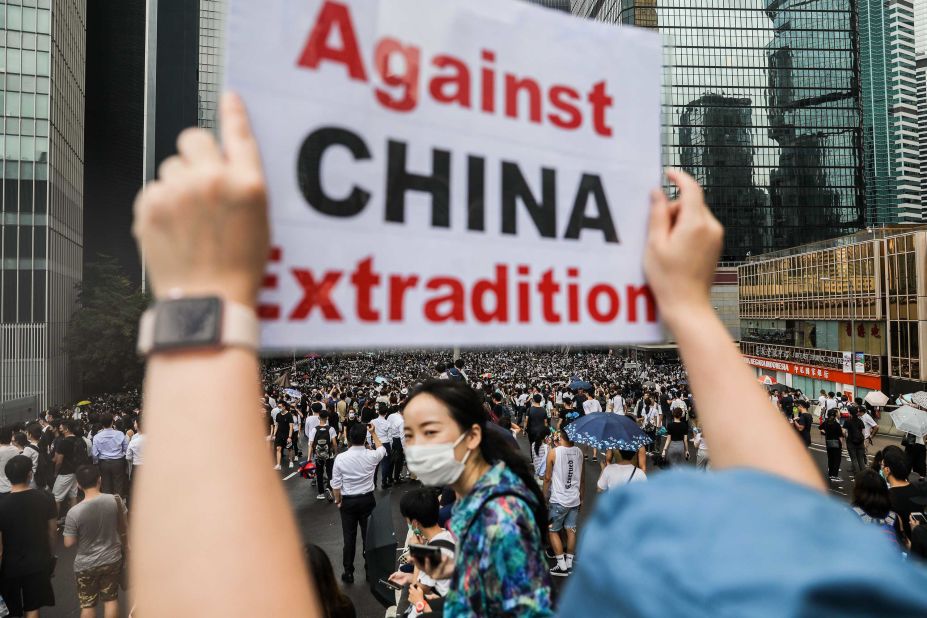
[863, 380]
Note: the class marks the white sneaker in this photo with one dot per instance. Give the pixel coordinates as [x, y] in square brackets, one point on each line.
[277, 467]
[558, 572]
[320, 497]
[291, 465]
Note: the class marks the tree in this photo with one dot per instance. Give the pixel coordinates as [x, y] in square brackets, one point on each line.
[103, 331]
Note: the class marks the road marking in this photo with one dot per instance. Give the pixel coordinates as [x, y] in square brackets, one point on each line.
[292, 474]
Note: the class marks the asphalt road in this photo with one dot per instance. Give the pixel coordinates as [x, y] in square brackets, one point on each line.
[320, 523]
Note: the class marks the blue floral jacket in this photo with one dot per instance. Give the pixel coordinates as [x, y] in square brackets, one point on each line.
[500, 567]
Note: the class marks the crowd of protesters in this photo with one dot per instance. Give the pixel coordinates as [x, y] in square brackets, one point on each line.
[67, 474]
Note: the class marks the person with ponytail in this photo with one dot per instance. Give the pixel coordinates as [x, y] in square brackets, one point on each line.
[499, 568]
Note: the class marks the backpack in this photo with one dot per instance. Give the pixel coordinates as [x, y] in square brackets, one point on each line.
[44, 470]
[322, 444]
[81, 456]
[454, 374]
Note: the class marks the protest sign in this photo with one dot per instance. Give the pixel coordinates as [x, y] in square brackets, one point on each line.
[470, 172]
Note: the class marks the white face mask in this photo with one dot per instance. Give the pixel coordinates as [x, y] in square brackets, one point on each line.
[435, 464]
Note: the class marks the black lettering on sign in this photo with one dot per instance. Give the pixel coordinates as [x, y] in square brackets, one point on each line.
[309, 171]
[515, 189]
[399, 180]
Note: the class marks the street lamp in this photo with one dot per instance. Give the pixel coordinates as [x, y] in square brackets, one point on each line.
[852, 327]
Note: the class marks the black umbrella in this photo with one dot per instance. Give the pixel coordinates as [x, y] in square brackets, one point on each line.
[380, 552]
[777, 387]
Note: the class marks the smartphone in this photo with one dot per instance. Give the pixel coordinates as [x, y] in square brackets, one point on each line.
[920, 517]
[425, 552]
[390, 585]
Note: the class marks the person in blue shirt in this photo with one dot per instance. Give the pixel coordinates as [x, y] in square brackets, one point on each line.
[757, 537]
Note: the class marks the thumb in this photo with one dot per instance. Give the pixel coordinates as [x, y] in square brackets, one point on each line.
[660, 216]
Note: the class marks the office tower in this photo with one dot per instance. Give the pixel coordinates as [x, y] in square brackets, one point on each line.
[793, 67]
[890, 119]
[716, 147]
[920, 50]
[41, 209]
[560, 5]
[114, 129]
[211, 64]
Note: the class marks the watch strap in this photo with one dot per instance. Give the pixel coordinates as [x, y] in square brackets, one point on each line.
[239, 327]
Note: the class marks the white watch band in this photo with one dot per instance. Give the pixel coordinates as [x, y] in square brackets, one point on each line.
[239, 325]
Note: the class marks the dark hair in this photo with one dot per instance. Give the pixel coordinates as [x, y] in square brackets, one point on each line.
[323, 415]
[334, 602]
[6, 434]
[358, 434]
[627, 455]
[17, 469]
[421, 504]
[88, 476]
[466, 408]
[871, 494]
[34, 430]
[895, 460]
[459, 363]
[107, 419]
[677, 412]
[20, 439]
[317, 407]
[497, 396]
[538, 441]
[537, 398]
[802, 404]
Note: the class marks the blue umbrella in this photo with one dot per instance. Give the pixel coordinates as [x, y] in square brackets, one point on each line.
[576, 385]
[604, 430]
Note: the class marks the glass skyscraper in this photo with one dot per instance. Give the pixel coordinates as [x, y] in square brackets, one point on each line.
[890, 121]
[761, 102]
[42, 59]
[211, 63]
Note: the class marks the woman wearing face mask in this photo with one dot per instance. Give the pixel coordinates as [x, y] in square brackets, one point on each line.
[499, 568]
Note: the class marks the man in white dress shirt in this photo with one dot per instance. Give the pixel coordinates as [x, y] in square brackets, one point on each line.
[352, 484]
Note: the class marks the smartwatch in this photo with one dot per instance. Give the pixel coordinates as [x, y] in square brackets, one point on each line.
[197, 324]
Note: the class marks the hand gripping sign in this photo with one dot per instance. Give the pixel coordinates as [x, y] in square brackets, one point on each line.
[458, 172]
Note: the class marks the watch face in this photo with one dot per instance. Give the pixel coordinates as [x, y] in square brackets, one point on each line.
[188, 323]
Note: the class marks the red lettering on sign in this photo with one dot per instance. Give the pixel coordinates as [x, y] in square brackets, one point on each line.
[334, 15]
[316, 294]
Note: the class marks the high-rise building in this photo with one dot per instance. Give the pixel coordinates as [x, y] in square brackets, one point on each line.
[42, 59]
[114, 129]
[716, 147]
[211, 63]
[920, 51]
[560, 5]
[793, 66]
[890, 118]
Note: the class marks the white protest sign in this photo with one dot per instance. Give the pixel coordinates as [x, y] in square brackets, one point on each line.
[446, 172]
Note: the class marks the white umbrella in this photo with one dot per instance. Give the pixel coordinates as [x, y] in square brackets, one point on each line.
[876, 399]
[910, 420]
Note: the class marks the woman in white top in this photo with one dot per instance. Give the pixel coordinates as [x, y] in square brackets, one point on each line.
[624, 471]
[539, 450]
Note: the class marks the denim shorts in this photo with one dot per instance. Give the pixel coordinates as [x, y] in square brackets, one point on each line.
[563, 517]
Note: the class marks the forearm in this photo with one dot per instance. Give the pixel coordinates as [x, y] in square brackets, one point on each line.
[724, 388]
[167, 527]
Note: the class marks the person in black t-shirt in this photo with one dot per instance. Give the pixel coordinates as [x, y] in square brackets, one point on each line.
[283, 435]
[28, 519]
[906, 497]
[804, 422]
[854, 430]
[537, 420]
[833, 440]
